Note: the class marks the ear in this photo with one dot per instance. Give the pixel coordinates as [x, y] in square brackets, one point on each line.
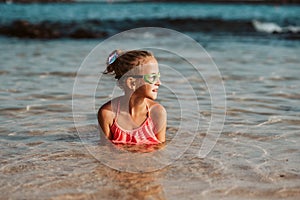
[131, 83]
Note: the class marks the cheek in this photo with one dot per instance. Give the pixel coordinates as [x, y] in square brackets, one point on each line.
[148, 87]
[144, 88]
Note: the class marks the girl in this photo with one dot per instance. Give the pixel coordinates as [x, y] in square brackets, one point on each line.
[134, 118]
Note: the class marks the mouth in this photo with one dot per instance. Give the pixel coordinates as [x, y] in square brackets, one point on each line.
[155, 90]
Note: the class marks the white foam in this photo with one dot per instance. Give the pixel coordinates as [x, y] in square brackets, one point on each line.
[270, 27]
[293, 29]
[272, 120]
[267, 27]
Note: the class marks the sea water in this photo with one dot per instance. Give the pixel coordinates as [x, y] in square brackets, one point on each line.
[256, 156]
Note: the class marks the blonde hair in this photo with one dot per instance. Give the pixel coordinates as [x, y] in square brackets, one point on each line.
[120, 62]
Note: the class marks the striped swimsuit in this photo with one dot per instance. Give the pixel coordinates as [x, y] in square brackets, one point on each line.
[145, 134]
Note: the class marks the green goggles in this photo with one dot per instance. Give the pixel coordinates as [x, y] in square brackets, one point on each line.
[149, 78]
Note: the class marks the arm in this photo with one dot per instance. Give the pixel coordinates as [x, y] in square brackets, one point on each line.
[105, 118]
[159, 117]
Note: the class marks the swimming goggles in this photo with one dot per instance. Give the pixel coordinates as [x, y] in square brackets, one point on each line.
[149, 78]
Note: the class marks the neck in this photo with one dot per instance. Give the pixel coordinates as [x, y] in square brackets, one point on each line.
[134, 104]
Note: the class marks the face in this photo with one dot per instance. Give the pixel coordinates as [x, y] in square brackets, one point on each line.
[149, 84]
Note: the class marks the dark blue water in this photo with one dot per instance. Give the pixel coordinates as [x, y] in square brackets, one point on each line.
[67, 19]
[283, 15]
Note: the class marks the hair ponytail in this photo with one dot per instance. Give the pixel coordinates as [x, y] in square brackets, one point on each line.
[120, 62]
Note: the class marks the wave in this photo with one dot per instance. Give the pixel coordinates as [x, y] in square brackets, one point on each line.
[291, 120]
[105, 28]
[270, 27]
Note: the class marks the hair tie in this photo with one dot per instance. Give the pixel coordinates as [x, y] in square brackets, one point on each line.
[112, 58]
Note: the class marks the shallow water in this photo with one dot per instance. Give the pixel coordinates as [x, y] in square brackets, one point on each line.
[47, 153]
[256, 155]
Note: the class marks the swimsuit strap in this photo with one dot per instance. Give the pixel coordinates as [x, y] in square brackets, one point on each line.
[118, 110]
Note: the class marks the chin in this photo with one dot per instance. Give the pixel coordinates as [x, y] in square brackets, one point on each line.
[152, 97]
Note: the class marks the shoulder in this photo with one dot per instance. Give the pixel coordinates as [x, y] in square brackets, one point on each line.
[110, 105]
[105, 108]
[105, 114]
[108, 110]
[156, 109]
[159, 117]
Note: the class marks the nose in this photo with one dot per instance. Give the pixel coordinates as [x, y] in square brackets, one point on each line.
[158, 82]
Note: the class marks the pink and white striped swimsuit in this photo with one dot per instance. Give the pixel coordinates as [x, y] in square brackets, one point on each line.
[145, 134]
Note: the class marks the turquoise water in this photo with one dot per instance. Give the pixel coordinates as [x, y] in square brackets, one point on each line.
[255, 157]
[81, 11]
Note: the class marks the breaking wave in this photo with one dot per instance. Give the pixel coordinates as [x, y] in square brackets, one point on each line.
[105, 28]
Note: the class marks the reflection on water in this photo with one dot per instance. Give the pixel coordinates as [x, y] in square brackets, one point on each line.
[140, 148]
[135, 186]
